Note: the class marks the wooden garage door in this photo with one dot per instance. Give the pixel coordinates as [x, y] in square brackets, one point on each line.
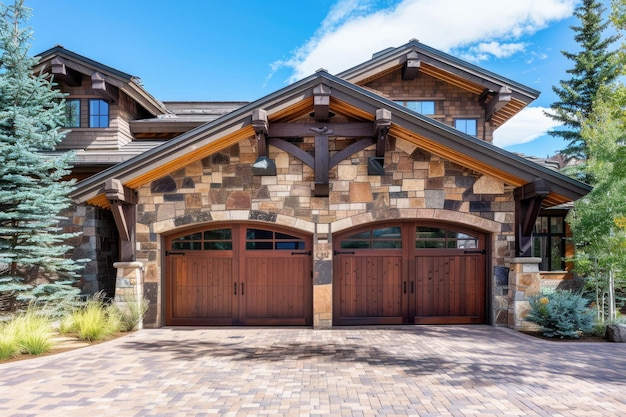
[238, 275]
[409, 273]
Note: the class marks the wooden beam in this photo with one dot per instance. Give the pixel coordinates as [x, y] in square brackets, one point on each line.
[321, 102]
[350, 150]
[260, 124]
[123, 200]
[321, 166]
[411, 66]
[298, 130]
[65, 74]
[101, 88]
[497, 102]
[293, 150]
[116, 191]
[382, 123]
[528, 199]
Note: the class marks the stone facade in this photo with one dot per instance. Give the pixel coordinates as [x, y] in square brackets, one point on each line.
[417, 185]
[98, 242]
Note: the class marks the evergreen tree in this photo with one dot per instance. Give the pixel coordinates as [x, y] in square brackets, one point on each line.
[32, 192]
[594, 65]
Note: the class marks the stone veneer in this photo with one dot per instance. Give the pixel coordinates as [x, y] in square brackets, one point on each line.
[97, 242]
[417, 185]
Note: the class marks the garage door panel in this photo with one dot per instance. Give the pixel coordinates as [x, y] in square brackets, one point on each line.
[409, 273]
[370, 288]
[230, 276]
[275, 288]
[448, 287]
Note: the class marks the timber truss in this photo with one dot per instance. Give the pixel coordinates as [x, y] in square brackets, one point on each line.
[276, 134]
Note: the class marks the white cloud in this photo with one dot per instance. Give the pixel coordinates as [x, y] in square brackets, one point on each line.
[353, 30]
[527, 125]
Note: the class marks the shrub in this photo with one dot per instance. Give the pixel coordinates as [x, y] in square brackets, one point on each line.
[9, 340]
[561, 314]
[29, 332]
[94, 321]
[130, 312]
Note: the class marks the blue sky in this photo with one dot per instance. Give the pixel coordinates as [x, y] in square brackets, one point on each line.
[242, 50]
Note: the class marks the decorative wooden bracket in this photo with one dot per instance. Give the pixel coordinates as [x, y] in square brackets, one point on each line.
[263, 166]
[123, 201]
[100, 87]
[494, 102]
[65, 74]
[382, 125]
[411, 66]
[528, 200]
[321, 103]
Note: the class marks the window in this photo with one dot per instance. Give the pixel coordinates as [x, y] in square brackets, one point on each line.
[384, 238]
[72, 113]
[420, 106]
[468, 126]
[219, 239]
[549, 242]
[258, 239]
[98, 113]
[437, 238]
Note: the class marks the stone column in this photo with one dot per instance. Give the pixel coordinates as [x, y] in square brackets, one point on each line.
[322, 278]
[129, 284]
[524, 282]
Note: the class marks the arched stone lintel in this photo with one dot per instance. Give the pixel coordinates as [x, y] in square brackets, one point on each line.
[169, 225]
[449, 216]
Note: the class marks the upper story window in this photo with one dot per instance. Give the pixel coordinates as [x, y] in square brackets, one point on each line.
[420, 106]
[469, 126]
[549, 242]
[72, 113]
[98, 113]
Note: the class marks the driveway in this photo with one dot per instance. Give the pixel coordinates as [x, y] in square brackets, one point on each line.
[380, 371]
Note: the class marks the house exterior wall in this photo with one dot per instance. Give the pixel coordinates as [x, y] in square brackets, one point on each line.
[417, 185]
[451, 102]
[115, 136]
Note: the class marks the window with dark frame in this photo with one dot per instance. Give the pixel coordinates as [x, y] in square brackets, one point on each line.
[98, 113]
[72, 113]
[549, 242]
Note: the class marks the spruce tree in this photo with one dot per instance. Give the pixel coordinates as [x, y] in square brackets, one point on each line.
[594, 66]
[32, 190]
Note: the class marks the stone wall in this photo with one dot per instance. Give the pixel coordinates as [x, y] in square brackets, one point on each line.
[416, 184]
[97, 242]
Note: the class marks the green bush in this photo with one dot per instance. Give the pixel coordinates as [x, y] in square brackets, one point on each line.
[561, 314]
[28, 332]
[95, 321]
[130, 312]
[9, 340]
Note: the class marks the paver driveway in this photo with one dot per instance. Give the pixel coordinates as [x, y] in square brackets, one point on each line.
[399, 371]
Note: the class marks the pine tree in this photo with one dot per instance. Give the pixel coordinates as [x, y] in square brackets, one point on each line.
[594, 66]
[32, 192]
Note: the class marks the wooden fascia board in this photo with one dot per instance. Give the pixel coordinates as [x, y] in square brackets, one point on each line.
[162, 126]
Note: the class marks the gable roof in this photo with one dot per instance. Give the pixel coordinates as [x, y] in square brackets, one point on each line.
[295, 101]
[447, 68]
[125, 82]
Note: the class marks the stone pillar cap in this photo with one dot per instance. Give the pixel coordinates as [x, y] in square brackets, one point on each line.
[523, 260]
[134, 264]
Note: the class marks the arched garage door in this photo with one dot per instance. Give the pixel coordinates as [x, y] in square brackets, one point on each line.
[409, 273]
[238, 275]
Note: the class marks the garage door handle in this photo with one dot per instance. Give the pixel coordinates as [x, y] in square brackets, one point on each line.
[242, 288]
[405, 287]
[412, 287]
[302, 253]
[168, 253]
[336, 252]
[235, 288]
[482, 252]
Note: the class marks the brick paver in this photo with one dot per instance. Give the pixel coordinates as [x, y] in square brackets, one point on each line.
[385, 371]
